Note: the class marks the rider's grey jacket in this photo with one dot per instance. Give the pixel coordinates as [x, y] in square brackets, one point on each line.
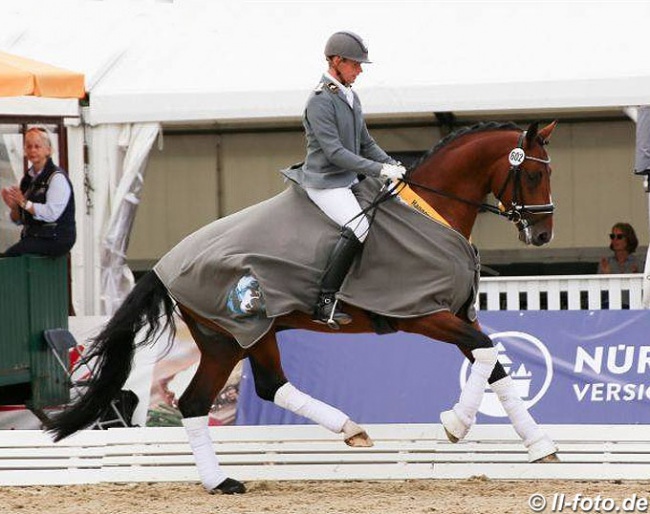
[339, 145]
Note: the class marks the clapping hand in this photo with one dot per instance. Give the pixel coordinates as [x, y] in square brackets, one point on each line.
[12, 196]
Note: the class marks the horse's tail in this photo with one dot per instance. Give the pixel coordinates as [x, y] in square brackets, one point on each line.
[148, 305]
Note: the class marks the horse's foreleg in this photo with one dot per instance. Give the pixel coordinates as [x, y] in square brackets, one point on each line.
[272, 385]
[462, 416]
[541, 447]
[219, 355]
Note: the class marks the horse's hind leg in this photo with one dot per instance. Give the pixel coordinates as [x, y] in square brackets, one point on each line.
[272, 385]
[219, 355]
[541, 447]
[444, 326]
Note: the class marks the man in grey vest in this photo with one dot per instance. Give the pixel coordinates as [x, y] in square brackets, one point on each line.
[339, 150]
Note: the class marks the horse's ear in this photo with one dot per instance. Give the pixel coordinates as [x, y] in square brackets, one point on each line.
[545, 133]
[531, 133]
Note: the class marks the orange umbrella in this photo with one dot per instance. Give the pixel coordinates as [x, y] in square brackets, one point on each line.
[20, 76]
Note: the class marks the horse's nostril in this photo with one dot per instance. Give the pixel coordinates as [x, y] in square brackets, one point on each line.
[544, 237]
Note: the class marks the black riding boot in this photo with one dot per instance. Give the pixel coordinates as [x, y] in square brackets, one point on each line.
[341, 258]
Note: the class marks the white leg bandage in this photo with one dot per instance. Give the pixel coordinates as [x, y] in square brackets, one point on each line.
[290, 398]
[534, 438]
[206, 460]
[472, 393]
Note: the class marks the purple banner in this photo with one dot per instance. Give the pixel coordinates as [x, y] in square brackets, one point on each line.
[570, 367]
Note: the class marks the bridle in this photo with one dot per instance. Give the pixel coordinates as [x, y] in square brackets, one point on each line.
[516, 211]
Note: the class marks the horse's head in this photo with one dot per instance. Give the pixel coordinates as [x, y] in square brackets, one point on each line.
[525, 190]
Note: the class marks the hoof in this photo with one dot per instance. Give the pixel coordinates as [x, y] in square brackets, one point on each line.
[549, 458]
[543, 450]
[454, 427]
[229, 486]
[356, 436]
[360, 440]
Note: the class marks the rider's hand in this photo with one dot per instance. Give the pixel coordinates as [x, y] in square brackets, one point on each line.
[392, 171]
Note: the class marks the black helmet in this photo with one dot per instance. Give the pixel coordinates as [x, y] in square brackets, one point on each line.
[348, 45]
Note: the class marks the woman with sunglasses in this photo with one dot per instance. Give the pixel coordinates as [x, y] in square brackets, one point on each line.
[623, 243]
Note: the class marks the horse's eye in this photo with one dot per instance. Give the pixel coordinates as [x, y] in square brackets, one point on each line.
[533, 177]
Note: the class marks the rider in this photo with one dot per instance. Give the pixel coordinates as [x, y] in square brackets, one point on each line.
[339, 149]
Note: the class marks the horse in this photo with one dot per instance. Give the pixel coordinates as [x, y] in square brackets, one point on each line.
[450, 183]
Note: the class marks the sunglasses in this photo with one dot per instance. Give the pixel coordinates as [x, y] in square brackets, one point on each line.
[616, 236]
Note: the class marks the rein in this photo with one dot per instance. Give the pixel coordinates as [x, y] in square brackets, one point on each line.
[516, 211]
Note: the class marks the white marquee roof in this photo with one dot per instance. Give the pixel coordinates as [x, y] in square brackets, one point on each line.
[201, 60]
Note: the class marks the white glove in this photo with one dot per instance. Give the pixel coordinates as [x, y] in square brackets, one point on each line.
[392, 171]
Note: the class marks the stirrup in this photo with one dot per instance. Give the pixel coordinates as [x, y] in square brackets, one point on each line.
[331, 322]
[335, 319]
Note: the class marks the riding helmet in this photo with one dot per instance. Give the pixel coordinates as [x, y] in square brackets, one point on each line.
[347, 45]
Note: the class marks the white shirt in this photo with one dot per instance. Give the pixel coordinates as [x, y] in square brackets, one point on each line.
[347, 90]
[56, 198]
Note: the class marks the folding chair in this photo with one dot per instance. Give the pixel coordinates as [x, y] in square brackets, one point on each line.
[61, 342]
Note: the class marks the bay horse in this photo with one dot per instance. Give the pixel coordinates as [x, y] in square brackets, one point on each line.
[453, 179]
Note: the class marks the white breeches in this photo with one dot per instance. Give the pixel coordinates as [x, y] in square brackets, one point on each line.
[342, 207]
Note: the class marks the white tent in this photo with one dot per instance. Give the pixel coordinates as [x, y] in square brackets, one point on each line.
[189, 61]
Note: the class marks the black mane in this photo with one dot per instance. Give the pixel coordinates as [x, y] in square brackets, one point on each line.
[479, 127]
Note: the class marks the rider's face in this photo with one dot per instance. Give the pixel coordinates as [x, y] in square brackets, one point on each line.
[348, 70]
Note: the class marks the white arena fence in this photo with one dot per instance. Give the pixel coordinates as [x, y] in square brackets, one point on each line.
[309, 452]
[401, 451]
[561, 292]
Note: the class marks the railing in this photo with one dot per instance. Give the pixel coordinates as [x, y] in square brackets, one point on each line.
[561, 292]
[309, 452]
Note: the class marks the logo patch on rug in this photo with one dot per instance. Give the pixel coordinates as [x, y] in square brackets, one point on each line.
[246, 298]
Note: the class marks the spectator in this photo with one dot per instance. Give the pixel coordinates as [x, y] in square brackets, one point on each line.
[623, 243]
[43, 203]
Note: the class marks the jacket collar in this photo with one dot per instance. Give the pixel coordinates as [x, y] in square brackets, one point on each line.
[335, 87]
